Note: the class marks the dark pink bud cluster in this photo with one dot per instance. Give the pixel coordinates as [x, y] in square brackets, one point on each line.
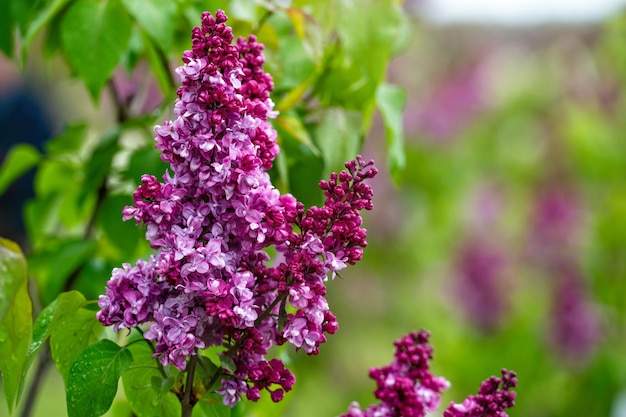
[406, 388]
[212, 217]
[494, 396]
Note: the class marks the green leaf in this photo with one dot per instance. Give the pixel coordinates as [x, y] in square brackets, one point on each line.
[338, 137]
[291, 124]
[93, 377]
[41, 20]
[67, 256]
[145, 161]
[22, 12]
[41, 331]
[143, 399]
[162, 385]
[157, 59]
[73, 329]
[94, 36]
[157, 17]
[227, 363]
[303, 171]
[6, 27]
[211, 405]
[294, 95]
[16, 319]
[20, 159]
[123, 235]
[391, 101]
[99, 165]
[367, 32]
[298, 65]
[70, 141]
[12, 274]
[297, 18]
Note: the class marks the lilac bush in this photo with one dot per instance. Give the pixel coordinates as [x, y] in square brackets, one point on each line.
[210, 219]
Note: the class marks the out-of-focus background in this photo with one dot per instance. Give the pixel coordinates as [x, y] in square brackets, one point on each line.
[505, 236]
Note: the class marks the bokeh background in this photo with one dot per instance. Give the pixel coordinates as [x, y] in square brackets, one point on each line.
[505, 236]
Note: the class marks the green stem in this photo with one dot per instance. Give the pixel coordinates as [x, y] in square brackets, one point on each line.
[40, 373]
[187, 402]
[267, 312]
[217, 375]
[262, 21]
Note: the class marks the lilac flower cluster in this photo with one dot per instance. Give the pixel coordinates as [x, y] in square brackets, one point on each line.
[209, 282]
[406, 388]
[494, 396]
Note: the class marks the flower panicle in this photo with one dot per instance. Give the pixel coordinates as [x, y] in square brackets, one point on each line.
[407, 388]
[494, 396]
[213, 214]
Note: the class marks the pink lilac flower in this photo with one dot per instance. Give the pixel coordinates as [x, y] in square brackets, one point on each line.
[213, 214]
[406, 388]
[494, 396]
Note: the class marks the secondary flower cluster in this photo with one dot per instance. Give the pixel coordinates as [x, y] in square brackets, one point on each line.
[210, 281]
[406, 388]
[494, 395]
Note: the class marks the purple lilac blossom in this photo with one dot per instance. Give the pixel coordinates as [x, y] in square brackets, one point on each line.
[556, 219]
[405, 388]
[213, 214]
[451, 105]
[494, 396]
[479, 284]
[574, 327]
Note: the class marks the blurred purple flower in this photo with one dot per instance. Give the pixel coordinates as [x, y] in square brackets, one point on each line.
[557, 216]
[137, 90]
[574, 328]
[450, 106]
[480, 286]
